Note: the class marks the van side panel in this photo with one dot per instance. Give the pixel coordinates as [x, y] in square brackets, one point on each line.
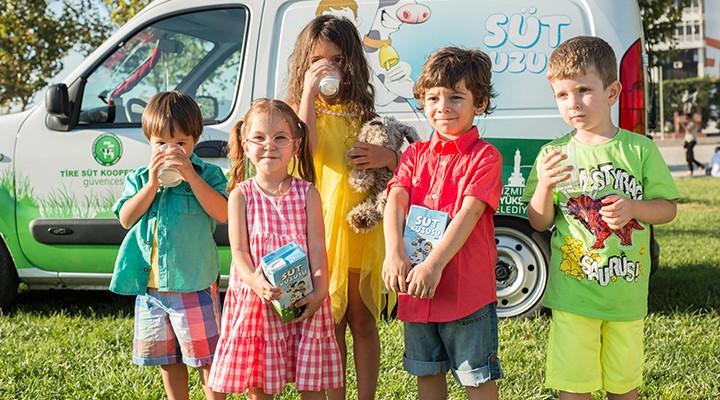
[518, 36]
[8, 186]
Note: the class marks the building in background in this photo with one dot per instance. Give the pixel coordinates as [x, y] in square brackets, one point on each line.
[698, 42]
[712, 38]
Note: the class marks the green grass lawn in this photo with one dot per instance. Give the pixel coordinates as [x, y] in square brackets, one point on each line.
[72, 345]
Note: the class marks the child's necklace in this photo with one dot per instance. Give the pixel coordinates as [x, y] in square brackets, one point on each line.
[335, 113]
[276, 192]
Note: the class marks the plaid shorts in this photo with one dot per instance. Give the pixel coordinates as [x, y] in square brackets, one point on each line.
[175, 327]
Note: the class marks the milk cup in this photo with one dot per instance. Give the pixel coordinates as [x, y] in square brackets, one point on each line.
[330, 84]
[168, 176]
[569, 150]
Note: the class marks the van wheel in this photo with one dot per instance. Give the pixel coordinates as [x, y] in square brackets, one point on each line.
[9, 280]
[521, 269]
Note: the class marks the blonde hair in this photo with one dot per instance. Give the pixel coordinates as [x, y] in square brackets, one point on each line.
[327, 5]
[449, 66]
[173, 111]
[582, 55]
[355, 90]
[272, 108]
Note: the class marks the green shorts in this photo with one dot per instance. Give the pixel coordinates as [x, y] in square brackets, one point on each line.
[586, 354]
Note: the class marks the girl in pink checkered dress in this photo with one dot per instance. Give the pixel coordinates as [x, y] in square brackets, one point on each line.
[257, 352]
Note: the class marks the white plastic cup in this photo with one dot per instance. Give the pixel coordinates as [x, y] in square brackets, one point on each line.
[168, 176]
[570, 151]
[330, 84]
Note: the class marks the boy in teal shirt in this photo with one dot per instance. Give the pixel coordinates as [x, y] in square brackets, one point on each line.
[169, 258]
[600, 258]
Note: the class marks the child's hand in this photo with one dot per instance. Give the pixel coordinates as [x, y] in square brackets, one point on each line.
[394, 272]
[312, 303]
[617, 211]
[263, 288]
[156, 161]
[548, 175]
[176, 158]
[366, 155]
[314, 74]
[423, 280]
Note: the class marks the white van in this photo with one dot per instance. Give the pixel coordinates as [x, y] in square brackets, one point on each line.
[62, 163]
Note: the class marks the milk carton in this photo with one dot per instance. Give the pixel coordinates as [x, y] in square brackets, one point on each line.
[287, 268]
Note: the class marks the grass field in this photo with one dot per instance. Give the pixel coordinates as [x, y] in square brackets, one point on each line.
[73, 345]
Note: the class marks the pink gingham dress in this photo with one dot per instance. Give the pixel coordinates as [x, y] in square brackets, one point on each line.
[256, 349]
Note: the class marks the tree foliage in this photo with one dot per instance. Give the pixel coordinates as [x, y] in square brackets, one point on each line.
[33, 39]
[122, 11]
[659, 19]
[35, 35]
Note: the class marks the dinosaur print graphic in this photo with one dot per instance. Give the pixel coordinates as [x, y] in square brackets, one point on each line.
[587, 210]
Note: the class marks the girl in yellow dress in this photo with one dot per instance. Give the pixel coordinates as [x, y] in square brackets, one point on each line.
[329, 45]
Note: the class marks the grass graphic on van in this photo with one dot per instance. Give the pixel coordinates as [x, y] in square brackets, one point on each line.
[7, 181]
[59, 203]
[63, 203]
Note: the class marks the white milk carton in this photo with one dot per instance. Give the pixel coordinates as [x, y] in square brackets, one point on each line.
[288, 269]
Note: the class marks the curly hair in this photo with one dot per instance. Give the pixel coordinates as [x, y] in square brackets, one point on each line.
[449, 66]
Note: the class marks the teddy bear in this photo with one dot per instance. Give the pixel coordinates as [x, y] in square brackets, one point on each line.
[387, 132]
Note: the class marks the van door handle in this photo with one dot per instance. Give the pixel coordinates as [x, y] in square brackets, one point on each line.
[60, 231]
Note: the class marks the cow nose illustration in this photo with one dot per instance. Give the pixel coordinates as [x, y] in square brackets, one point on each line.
[413, 13]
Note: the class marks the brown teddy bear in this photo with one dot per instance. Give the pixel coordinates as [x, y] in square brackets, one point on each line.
[387, 132]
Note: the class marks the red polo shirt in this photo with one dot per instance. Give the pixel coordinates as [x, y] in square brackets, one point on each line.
[438, 175]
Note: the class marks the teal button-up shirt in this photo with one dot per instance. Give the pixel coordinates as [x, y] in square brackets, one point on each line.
[187, 255]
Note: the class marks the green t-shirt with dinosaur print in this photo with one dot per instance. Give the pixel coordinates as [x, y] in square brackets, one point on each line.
[595, 271]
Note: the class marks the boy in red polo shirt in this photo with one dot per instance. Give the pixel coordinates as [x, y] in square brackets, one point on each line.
[448, 300]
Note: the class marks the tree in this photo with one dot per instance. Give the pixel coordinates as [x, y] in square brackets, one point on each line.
[28, 53]
[122, 11]
[35, 35]
[659, 19]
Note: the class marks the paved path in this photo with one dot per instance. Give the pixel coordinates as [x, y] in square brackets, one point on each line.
[674, 154]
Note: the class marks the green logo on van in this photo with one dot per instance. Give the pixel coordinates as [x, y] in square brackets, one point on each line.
[107, 149]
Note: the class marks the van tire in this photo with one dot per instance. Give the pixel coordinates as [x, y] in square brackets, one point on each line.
[9, 280]
[521, 269]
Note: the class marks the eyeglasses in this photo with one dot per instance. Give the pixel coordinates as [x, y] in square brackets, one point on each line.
[278, 141]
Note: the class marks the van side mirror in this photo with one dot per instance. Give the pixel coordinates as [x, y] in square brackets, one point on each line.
[209, 107]
[57, 105]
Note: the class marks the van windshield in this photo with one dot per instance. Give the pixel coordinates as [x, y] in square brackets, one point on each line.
[197, 53]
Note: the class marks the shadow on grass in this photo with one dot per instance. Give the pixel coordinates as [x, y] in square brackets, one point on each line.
[86, 303]
[690, 288]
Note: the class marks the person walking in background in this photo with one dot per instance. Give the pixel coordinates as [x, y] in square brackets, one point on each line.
[600, 264]
[257, 351]
[448, 301]
[328, 46]
[689, 145]
[169, 258]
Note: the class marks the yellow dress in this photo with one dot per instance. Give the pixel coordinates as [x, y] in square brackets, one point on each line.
[347, 250]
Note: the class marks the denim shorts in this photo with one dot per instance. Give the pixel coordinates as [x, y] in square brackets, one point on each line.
[467, 346]
[175, 327]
